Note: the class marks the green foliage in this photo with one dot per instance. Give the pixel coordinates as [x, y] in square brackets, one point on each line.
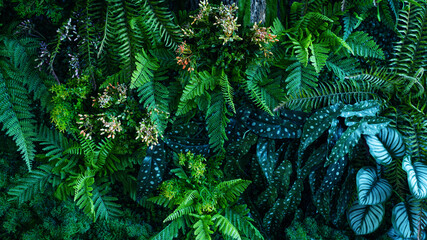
[204, 202]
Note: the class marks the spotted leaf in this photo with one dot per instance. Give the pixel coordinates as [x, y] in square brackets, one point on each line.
[361, 109]
[371, 189]
[317, 157]
[322, 201]
[265, 125]
[346, 191]
[283, 206]
[267, 157]
[347, 141]
[317, 124]
[282, 176]
[407, 217]
[152, 169]
[187, 144]
[386, 145]
[417, 177]
[333, 175]
[365, 219]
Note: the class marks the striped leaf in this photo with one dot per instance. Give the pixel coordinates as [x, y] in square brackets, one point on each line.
[365, 219]
[386, 145]
[408, 217]
[371, 189]
[417, 177]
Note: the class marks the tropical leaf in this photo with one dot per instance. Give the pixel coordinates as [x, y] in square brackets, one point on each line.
[417, 177]
[319, 55]
[370, 188]
[385, 146]
[408, 217]
[267, 157]
[365, 219]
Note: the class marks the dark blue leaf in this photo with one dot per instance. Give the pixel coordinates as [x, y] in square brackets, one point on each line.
[333, 175]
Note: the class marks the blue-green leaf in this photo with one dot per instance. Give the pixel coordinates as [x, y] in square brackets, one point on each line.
[151, 171]
[361, 109]
[365, 219]
[417, 177]
[386, 145]
[265, 125]
[371, 190]
[333, 175]
[267, 157]
[317, 124]
[408, 217]
[347, 141]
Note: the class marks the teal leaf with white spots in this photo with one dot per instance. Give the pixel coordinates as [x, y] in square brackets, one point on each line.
[386, 145]
[282, 207]
[187, 144]
[317, 124]
[267, 198]
[322, 201]
[347, 141]
[274, 127]
[267, 157]
[333, 175]
[282, 176]
[407, 217]
[417, 177]
[371, 189]
[373, 125]
[346, 191]
[152, 169]
[318, 156]
[365, 219]
[361, 109]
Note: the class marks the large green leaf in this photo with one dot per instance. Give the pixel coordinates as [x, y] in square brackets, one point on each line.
[371, 189]
[361, 109]
[408, 217]
[365, 219]
[386, 145]
[417, 177]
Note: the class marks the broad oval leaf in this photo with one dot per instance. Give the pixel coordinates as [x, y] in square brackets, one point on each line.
[408, 217]
[365, 219]
[417, 177]
[386, 145]
[371, 190]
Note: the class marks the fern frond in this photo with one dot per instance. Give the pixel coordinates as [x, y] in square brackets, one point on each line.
[202, 228]
[225, 227]
[217, 120]
[105, 207]
[238, 216]
[230, 190]
[300, 78]
[155, 96]
[227, 91]
[83, 193]
[170, 231]
[144, 72]
[199, 85]
[330, 93]
[33, 183]
[55, 143]
[179, 212]
[313, 21]
[319, 54]
[265, 92]
[16, 117]
[342, 66]
[364, 45]
[379, 79]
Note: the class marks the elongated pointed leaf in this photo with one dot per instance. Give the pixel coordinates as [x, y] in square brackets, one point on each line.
[273, 127]
[365, 219]
[371, 190]
[151, 171]
[333, 175]
[386, 145]
[417, 177]
[267, 157]
[317, 124]
[408, 217]
[347, 141]
[361, 109]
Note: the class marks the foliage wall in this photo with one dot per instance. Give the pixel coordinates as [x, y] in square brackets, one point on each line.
[156, 119]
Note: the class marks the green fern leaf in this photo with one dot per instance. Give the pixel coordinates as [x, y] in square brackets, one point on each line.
[319, 55]
[364, 45]
[83, 193]
[105, 207]
[225, 227]
[35, 182]
[300, 78]
[144, 72]
[202, 228]
[227, 90]
[238, 216]
[170, 231]
[217, 120]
